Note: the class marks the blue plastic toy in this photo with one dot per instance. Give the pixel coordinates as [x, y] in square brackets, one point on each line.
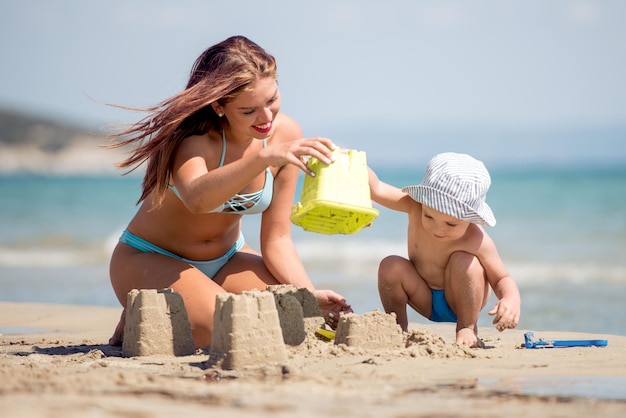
[542, 343]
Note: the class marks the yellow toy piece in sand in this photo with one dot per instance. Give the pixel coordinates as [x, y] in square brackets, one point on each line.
[337, 199]
[326, 333]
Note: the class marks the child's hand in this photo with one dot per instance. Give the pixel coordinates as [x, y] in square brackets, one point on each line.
[506, 315]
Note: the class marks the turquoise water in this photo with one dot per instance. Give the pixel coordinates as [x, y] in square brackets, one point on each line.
[561, 232]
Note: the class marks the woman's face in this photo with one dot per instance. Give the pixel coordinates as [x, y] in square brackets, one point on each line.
[252, 112]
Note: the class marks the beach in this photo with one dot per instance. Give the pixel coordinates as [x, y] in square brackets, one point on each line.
[58, 233]
[400, 81]
[561, 232]
[55, 361]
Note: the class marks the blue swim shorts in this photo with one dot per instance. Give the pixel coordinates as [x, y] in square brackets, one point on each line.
[209, 267]
[441, 311]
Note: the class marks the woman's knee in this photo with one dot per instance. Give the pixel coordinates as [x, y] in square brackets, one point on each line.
[245, 271]
[201, 322]
[199, 297]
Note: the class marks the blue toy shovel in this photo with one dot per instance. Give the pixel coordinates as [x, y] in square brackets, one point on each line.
[541, 343]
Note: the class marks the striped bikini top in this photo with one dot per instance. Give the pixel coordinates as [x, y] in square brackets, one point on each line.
[244, 203]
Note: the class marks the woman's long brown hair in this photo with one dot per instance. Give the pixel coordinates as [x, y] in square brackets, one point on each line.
[219, 74]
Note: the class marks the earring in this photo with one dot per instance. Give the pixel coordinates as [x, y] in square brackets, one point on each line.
[219, 115]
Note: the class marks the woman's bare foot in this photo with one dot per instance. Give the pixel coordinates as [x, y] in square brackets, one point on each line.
[469, 337]
[118, 335]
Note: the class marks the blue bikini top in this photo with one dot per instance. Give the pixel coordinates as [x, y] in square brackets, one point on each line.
[245, 203]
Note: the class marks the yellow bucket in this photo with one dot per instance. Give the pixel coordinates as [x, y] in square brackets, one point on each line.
[337, 200]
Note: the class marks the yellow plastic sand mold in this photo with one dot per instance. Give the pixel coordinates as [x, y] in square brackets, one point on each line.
[337, 199]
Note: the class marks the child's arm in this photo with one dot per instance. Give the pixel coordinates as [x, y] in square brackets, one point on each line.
[388, 195]
[507, 310]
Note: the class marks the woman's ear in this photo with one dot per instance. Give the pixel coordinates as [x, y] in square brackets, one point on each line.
[217, 109]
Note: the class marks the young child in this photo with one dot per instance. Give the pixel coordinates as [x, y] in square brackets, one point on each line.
[452, 261]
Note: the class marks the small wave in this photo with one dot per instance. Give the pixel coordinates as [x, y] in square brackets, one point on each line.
[325, 250]
[111, 241]
[360, 260]
[52, 257]
[575, 272]
[353, 261]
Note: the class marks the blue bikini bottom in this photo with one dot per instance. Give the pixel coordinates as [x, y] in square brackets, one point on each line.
[209, 267]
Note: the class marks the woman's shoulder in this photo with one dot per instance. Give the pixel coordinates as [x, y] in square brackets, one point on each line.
[286, 128]
[207, 144]
[201, 141]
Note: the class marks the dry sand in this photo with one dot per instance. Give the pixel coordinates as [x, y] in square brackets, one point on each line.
[54, 362]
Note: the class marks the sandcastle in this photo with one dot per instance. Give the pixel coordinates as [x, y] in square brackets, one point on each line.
[371, 330]
[156, 323]
[287, 300]
[246, 330]
[307, 300]
[251, 329]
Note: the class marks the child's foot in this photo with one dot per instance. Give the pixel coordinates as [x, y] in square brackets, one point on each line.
[469, 338]
[118, 335]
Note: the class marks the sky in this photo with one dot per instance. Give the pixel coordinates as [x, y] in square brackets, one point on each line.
[404, 72]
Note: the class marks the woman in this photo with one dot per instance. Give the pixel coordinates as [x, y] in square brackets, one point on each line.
[216, 151]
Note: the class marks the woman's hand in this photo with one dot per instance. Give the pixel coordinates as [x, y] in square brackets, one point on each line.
[298, 151]
[331, 304]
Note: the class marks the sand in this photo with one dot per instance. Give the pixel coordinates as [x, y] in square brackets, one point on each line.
[55, 362]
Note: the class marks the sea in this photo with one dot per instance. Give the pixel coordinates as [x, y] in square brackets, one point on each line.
[561, 231]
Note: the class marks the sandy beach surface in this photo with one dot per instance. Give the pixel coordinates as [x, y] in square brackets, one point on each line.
[55, 362]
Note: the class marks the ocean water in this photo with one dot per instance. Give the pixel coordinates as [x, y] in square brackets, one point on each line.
[561, 232]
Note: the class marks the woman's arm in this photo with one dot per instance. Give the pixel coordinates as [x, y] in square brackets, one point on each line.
[277, 247]
[202, 189]
[279, 252]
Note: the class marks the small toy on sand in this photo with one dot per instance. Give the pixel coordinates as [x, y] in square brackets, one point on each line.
[530, 342]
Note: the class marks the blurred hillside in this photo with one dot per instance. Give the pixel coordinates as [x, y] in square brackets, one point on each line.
[32, 144]
[36, 145]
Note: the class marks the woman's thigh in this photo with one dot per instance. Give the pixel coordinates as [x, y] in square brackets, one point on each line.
[244, 271]
[132, 269]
